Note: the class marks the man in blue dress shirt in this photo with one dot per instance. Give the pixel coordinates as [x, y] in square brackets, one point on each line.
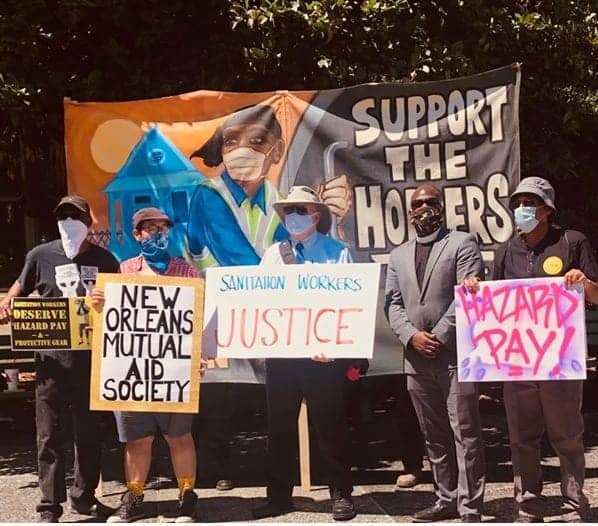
[318, 380]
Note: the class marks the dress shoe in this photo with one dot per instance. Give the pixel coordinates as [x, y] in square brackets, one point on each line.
[93, 508]
[409, 480]
[224, 485]
[343, 509]
[436, 513]
[471, 517]
[49, 516]
[272, 508]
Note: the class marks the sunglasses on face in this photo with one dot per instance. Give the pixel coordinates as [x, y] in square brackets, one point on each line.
[432, 202]
[301, 210]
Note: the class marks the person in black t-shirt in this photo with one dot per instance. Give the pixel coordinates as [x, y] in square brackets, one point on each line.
[542, 249]
[53, 270]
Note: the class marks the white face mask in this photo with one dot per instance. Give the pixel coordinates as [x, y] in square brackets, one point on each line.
[72, 233]
[245, 164]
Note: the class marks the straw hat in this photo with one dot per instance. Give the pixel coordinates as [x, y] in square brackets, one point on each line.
[304, 195]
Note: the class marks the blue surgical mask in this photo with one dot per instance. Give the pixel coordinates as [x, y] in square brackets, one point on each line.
[154, 250]
[525, 218]
[297, 224]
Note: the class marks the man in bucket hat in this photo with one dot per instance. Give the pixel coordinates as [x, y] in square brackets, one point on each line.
[318, 380]
[542, 249]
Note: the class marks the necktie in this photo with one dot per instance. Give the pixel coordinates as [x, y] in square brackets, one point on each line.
[300, 253]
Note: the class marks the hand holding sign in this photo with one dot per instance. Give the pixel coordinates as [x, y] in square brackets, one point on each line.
[147, 346]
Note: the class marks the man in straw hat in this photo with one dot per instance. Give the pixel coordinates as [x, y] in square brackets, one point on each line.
[541, 249]
[318, 380]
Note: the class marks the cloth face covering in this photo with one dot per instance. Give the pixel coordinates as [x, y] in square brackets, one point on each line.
[244, 164]
[72, 234]
[427, 221]
[297, 224]
[525, 218]
[154, 250]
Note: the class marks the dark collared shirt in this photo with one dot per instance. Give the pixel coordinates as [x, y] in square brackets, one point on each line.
[559, 251]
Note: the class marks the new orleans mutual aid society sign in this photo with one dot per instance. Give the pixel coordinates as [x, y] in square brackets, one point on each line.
[364, 149]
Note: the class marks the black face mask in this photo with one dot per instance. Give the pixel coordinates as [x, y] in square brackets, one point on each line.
[427, 220]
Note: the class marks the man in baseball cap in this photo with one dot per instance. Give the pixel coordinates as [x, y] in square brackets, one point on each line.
[52, 270]
[542, 249]
[151, 229]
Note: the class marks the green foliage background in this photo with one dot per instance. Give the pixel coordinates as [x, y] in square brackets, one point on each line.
[130, 49]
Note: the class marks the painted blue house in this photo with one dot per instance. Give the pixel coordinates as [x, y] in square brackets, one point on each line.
[156, 174]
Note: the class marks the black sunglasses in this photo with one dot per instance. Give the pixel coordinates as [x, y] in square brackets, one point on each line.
[301, 210]
[430, 201]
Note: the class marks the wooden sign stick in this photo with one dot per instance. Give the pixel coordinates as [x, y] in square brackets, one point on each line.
[304, 448]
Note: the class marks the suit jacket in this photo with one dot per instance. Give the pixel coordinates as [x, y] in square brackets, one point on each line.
[453, 257]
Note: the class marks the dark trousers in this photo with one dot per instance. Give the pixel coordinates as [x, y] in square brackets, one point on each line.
[450, 421]
[411, 440]
[213, 430]
[321, 384]
[62, 395]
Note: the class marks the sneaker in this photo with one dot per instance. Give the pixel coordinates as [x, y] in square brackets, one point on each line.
[224, 485]
[130, 509]
[343, 509]
[272, 508]
[187, 504]
[94, 508]
[49, 516]
[436, 513]
[408, 480]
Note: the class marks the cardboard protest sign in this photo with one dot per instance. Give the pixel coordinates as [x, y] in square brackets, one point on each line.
[147, 344]
[292, 311]
[532, 329]
[50, 324]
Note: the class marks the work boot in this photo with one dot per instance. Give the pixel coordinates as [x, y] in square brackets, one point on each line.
[343, 508]
[187, 505]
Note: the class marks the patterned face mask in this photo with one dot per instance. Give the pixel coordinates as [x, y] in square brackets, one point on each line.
[155, 251]
[427, 220]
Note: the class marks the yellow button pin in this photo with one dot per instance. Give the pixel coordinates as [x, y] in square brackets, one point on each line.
[553, 265]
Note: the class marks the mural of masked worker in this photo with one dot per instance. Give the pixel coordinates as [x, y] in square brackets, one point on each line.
[231, 218]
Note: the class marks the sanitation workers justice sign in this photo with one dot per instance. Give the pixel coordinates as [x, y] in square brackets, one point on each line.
[531, 329]
[147, 344]
[292, 311]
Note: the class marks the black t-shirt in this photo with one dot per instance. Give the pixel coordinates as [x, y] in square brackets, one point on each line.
[48, 271]
[558, 252]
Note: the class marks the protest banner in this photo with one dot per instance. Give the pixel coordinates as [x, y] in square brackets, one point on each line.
[532, 329]
[147, 344]
[50, 324]
[363, 148]
[292, 311]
